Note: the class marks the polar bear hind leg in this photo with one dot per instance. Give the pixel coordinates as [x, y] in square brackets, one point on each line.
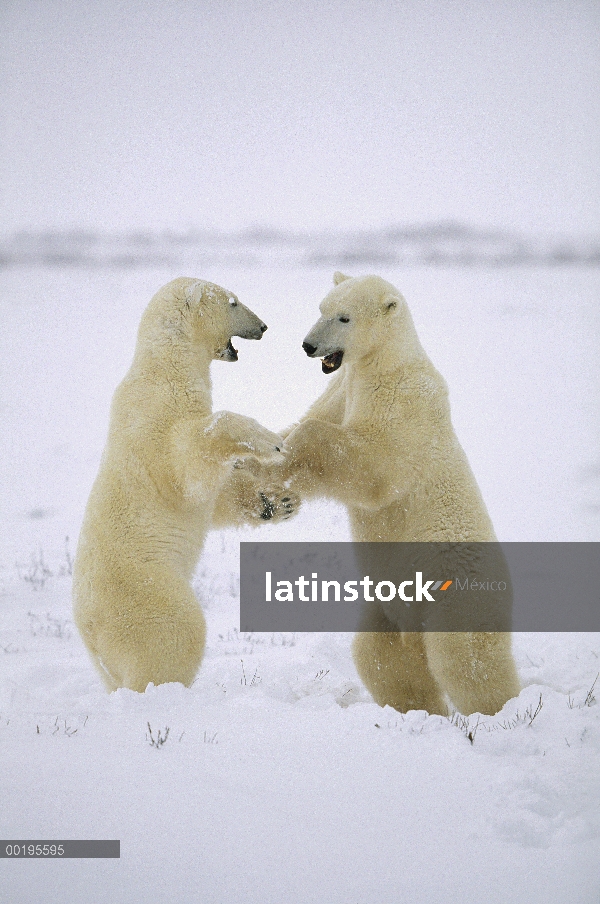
[137, 648]
[394, 668]
[476, 670]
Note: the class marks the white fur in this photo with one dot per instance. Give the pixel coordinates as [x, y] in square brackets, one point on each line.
[380, 440]
[166, 459]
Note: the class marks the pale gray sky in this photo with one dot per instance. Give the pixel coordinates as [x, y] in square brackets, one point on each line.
[175, 113]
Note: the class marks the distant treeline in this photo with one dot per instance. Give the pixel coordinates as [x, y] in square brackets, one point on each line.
[429, 244]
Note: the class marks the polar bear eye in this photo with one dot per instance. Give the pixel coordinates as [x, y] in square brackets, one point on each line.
[344, 319]
[233, 302]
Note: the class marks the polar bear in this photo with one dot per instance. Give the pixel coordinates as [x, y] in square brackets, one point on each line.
[166, 460]
[380, 441]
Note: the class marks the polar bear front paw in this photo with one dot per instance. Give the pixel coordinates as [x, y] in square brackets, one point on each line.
[262, 445]
[242, 437]
[277, 505]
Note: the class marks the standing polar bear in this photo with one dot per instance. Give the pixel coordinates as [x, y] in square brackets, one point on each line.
[380, 441]
[166, 460]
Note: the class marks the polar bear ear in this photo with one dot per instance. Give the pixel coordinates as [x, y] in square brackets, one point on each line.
[339, 277]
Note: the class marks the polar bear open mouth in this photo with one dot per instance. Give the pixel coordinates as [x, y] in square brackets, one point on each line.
[332, 362]
[229, 353]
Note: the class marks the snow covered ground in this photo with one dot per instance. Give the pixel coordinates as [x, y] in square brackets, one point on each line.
[279, 781]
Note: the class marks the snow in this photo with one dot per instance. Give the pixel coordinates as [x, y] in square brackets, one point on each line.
[279, 780]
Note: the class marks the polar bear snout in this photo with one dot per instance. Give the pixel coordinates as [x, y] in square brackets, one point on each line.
[332, 359]
[326, 340]
[252, 332]
[244, 322]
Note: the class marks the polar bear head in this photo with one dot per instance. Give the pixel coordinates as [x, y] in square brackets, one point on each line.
[198, 313]
[225, 316]
[357, 319]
